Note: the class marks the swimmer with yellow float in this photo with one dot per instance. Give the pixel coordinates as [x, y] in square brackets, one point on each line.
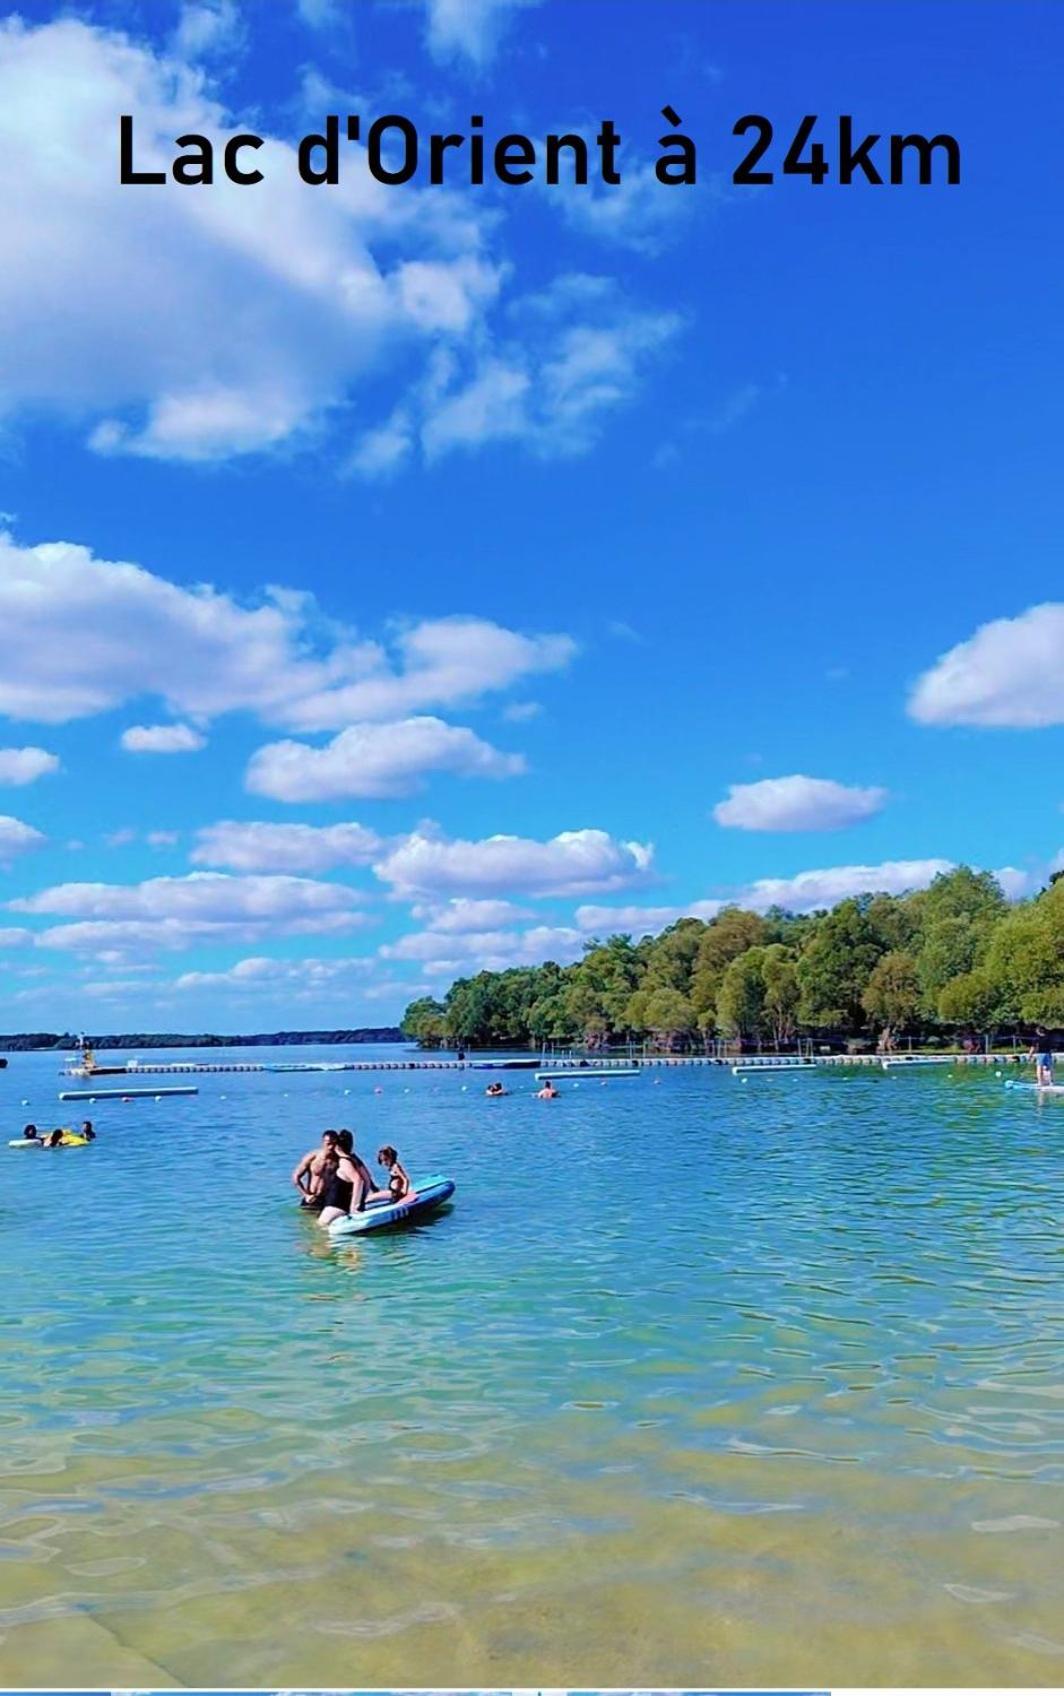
[61, 1137]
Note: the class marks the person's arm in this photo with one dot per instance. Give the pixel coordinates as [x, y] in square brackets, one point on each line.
[399, 1170]
[302, 1171]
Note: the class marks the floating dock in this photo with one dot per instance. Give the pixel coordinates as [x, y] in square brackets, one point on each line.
[588, 1072]
[124, 1094]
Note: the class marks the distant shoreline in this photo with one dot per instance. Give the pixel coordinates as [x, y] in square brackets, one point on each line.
[45, 1041]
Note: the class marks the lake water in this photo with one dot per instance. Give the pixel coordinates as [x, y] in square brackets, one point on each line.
[700, 1382]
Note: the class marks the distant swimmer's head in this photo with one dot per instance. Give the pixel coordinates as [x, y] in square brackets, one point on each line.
[345, 1142]
[30, 1131]
[87, 1130]
[386, 1156]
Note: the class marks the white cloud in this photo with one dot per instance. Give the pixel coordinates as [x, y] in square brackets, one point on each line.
[462, 915]
[19, 766]
[485, 951]
[639, 921]
[575, 862]
[260, 847]
[439, 662]
[581, 352]
[118, 302]
[162, 739]
[16, 837]
[177, 912]
[1010, 674]
[319, 14]
[206, 28]
[12, 936]
[797, 803]
[468, 29]
[162, 838]
[822, 888]
[375, 760]
[202, 653]
[520, 712]
[262, 974]
[638, 213]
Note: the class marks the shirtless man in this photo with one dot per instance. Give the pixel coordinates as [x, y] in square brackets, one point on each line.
[314, 1170]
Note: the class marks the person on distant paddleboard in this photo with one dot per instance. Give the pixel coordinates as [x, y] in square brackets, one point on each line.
[1043, 1055]
[31, 1133]
[349, 1185]
[314, 1170]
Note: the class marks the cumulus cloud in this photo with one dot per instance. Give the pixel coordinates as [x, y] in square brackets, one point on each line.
[255, 846]
[582, 352]
[260, 973]
[16, 837]
[1010, 674]
[118, 307]
[375, 760]
[19, 766]
[202, 653]
[439, 662]
[575, 862]
[469, 29]
[464, 914]
[797, 803]
[439, 955]
[177, 912]
[12, 936]
[162, 739]
[808, 890]
[610, 921]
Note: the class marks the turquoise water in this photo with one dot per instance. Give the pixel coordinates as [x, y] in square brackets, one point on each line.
[699, 1382]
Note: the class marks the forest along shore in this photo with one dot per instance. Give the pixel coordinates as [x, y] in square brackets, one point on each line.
[956, 964]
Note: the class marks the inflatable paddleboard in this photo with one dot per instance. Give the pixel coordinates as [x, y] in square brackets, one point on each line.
[69, 1139]
[1043, 1089]
[429, 1195]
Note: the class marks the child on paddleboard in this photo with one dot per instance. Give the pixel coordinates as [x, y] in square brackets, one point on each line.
[399, 1185]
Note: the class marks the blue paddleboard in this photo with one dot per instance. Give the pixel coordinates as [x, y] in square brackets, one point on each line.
[429, 1195]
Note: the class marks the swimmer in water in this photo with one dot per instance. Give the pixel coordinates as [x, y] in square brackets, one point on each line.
[547, 1093]
[495, 1089]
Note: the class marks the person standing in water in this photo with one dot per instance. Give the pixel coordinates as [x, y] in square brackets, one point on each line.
[311, 1175]
[1042, 1054]
[349, 1185]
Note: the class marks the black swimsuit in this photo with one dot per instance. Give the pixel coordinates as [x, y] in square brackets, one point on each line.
[337, 1193]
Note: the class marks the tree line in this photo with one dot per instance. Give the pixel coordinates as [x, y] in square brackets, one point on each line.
[954, 960]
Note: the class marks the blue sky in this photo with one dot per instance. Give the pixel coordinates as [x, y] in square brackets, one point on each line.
[699, 543]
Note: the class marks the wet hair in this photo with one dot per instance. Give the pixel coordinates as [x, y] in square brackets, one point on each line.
[386, 1156]
[333, 1136]
[345, 1141]
[29, 1130]
[87, 1128]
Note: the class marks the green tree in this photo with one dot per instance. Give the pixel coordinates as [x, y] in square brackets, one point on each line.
[730, 934]
[669, 1015]
[425, 1022]
[741, 997]
[779, 971]
[836, 964]
[1025, 960]
[892, 996]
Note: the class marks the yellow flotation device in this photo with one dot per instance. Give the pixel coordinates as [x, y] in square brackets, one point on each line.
[73, 1139]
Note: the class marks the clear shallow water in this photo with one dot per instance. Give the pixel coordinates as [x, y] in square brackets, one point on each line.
[699, 1382]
